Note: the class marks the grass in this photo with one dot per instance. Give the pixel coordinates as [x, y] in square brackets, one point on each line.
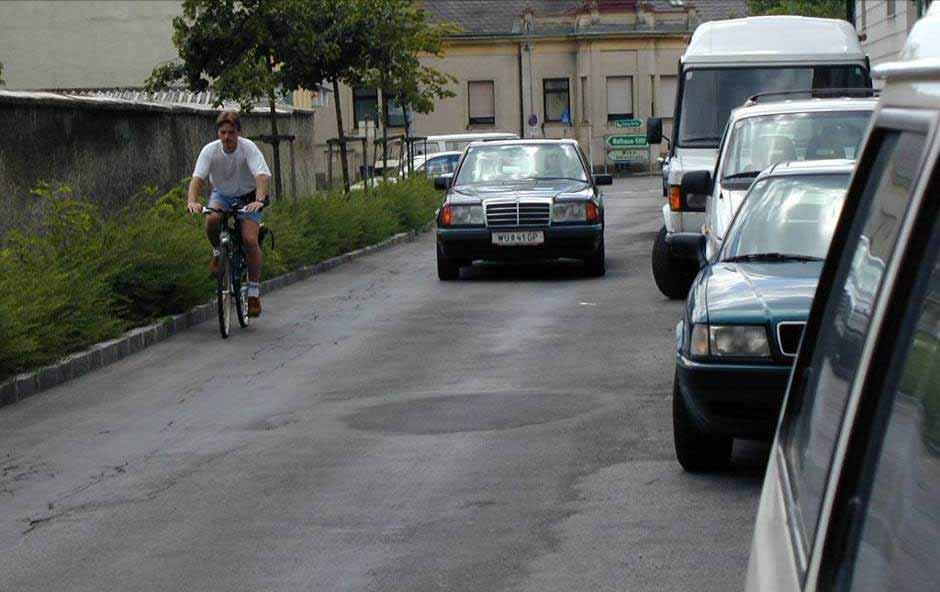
[79, 275]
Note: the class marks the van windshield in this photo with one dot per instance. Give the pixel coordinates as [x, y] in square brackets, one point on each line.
[709, 95]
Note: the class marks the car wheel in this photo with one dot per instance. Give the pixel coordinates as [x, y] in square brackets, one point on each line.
[672, 278]
[448, 270]
[596, 264]
[696, 450]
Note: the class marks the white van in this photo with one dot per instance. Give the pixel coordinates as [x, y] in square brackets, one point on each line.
[457, 142]
[851, 497]
[726, 63]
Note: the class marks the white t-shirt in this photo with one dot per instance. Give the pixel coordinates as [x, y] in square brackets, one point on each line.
[232, 174]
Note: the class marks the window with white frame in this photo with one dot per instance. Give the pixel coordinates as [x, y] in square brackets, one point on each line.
[666, 96]
[482, 102]
[619, 97]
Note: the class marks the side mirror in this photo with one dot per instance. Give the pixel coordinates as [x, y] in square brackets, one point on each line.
[443, 182]
[654, 130]
[695, 189]
[688, 246]
[603, 179]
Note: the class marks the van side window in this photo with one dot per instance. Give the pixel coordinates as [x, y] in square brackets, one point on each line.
[901, 525]
[821, 392]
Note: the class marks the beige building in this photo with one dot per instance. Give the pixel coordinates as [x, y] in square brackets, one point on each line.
[883, 26]
[584, 69]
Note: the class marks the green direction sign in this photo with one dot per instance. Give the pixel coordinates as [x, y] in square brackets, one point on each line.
[628, 155]
[628, 123]
[626, 141]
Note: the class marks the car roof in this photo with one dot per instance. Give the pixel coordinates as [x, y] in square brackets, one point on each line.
[558, 141]
[430, 155]
[804, 106]
[835, 166]
[774, 39]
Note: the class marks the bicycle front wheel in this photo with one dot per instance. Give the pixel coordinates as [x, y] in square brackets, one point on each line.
[224, 294]
[240, 292]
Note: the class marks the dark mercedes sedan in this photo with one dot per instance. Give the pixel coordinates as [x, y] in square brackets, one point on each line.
[521, 200]
[746, 309]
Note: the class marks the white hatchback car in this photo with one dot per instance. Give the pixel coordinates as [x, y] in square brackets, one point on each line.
[851, 498]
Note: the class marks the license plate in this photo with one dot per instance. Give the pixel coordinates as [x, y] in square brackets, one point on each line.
[510, 239]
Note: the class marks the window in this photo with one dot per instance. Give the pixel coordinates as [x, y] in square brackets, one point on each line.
[897, 546]
[823, 385]
[556, 104]
[365, 104]
[709, 95]
[585, 101]
[394, 114]
[891, 8]
[619, 97]
[488, 163]
[482, 102]
[666, 97]
[441, 165]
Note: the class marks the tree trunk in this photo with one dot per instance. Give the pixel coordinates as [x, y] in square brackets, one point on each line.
[344, 161]
[384, 137]
[276, 143]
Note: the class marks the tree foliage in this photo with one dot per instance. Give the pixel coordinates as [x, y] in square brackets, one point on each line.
[819, 8]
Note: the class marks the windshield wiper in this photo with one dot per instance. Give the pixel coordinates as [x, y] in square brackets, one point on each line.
[558, 179]
[771, 257]
[744, 175]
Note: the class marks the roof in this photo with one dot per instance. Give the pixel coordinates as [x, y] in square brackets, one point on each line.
[804, 106]
[921, 54]
[774, 39]
[488, 18]
[834, 166]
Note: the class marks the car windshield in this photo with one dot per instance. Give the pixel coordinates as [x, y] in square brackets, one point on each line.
[709, 95]
[790, 217]
[516, 162]
[758, 142]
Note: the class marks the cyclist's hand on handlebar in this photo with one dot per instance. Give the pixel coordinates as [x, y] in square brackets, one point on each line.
[194, 207]
[254, 206]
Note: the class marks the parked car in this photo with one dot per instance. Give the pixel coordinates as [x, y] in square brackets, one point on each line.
[747, 307]
[521, 199]
[851, 497]
[761, 134]
[726, 63]
[458, 142]
[430, 165]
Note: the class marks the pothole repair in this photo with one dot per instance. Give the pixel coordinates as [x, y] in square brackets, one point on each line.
[452, 414]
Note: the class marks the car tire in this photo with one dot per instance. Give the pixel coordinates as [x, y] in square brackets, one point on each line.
[448, 269]
[697, 451]
[596, 264]
[672, 278]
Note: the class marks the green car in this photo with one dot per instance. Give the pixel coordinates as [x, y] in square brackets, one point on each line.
[747, 307]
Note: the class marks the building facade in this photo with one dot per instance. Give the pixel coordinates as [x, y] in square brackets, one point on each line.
[883, 25]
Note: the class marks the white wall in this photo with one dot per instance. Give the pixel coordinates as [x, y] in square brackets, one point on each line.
[84, 43]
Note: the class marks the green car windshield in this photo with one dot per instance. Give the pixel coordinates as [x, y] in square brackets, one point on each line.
[517, 162]
[788, 217]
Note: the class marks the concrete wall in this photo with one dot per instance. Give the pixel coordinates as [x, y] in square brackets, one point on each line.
[109, 150]
[84, 43]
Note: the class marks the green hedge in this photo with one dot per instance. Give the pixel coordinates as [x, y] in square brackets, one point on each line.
[83, 275]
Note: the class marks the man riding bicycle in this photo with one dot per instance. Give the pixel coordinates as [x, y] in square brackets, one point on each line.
[239, 176]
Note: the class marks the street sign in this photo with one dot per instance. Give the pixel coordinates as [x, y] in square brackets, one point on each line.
[628, 155]
[628, 123]
[626, 141]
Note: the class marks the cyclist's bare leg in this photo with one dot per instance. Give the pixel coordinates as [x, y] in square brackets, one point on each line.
[252, 250]
[213, 223]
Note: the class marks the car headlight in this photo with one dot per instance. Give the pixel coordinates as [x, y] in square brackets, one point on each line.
[738, 341]
[466, 215]
[571, 211]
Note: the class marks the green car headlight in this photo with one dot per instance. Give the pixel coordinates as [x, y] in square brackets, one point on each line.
[467, 215]
[572, 211]
[746, 341]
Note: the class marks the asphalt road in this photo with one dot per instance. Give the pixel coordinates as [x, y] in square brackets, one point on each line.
[380, 430]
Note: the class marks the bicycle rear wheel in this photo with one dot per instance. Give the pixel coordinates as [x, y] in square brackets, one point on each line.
[224, 294]
[240, 292]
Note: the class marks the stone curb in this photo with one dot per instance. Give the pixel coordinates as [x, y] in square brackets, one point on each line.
[103, 354]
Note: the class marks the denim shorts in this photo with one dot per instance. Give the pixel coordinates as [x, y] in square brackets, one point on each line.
[224, 202]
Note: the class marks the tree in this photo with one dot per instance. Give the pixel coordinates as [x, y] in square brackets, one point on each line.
[403, 33]
[235, 47]
[820, 8]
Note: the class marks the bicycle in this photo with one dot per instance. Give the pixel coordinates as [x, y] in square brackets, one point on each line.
[232, 290]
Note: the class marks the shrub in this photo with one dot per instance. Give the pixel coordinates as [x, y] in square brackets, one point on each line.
[81, 275]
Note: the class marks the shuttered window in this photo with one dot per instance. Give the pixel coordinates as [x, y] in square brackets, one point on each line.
[666, 97]
[619, 97]
[482, 102]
